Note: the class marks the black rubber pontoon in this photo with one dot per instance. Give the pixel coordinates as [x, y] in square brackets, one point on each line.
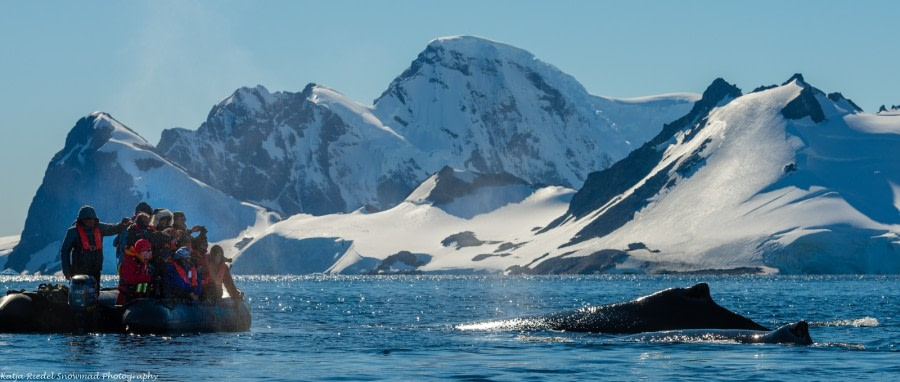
[47, 310]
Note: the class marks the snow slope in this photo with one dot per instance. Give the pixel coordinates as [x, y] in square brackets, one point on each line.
[109, 166]
[499, 215]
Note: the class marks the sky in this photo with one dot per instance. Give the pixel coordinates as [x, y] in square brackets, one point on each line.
[160, 64]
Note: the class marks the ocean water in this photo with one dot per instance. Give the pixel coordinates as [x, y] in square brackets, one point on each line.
[404, 328]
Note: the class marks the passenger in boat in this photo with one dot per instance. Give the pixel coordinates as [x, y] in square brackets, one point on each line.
[162, 220]
[142, 229]
[121, 242]
[81, 252]
[219, 274]
[183, 233]
[163, 244]
[135, 278]
[200, 258]
[182, 280]
[139, 229]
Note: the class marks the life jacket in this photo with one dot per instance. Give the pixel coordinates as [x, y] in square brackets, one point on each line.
[98, 239]
[188, 277]
[132, 291]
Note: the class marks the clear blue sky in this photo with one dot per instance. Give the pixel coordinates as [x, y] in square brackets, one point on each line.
[159, 64]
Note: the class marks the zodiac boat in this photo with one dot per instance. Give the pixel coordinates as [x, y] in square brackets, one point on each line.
[75, 309]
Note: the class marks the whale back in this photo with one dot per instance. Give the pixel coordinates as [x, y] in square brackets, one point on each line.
[670, 309]
[791, 334]
[796, 333]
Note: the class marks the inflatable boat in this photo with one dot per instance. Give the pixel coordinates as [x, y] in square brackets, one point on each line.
[75, 309]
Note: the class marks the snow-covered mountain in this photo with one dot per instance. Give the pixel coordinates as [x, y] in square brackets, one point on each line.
[465, 102]
[489, 107]
[109, 166]
[469, 162]
[315, 151]
[893, 110]
[785, 179]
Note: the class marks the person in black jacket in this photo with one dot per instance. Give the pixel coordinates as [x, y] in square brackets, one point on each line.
[82, 248]
[120, 241]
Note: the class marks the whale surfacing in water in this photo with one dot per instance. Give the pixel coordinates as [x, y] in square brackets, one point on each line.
[670, 309]
[792, 334]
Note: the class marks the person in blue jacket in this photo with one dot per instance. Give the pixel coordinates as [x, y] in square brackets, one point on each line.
[81, 252]
[181, 278]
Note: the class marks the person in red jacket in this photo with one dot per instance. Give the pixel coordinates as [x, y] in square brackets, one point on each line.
[219, 274]
[135, 276]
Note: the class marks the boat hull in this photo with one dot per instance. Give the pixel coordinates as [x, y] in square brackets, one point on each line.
[166, 316]
[33, 312]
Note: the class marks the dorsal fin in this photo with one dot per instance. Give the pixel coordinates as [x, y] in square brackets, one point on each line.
[701, 290]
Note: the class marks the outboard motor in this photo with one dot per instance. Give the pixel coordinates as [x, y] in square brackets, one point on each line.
[83, 302]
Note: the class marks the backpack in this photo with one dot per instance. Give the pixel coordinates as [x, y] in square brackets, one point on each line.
[56, 294]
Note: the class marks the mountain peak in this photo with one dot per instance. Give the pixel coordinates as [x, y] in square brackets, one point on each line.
[796, 77]
[466, 55]
[93, 131]
[474, 46]
[805, 104]
[718, 91]
[253, 99]
[100, 114]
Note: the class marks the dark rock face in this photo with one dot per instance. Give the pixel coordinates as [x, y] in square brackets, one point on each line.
[255, 147]
[597, 262]
[484, 256]
[718, 272]
[406, 258]
[466, 194]
[464, 239]
[837, 97]
[805, 105]
[450, 187]
[884, 108]
[602, 186]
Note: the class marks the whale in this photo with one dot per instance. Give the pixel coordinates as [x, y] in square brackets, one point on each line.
[791, 334]
[669, 309]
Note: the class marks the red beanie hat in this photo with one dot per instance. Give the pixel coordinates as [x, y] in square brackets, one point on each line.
[141, 245]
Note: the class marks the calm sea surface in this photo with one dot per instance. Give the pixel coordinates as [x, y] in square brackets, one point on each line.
[403, 328]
